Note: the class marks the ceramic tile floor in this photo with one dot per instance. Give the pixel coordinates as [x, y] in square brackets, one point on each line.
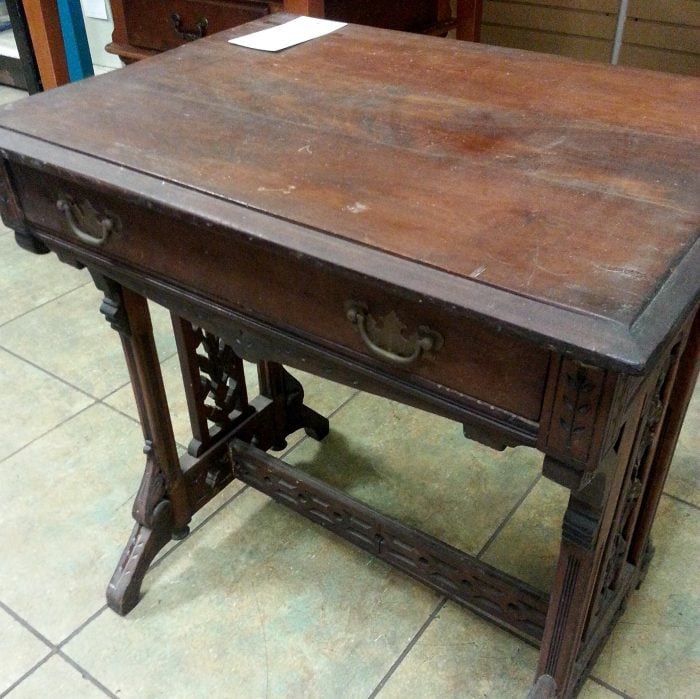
[258, 602]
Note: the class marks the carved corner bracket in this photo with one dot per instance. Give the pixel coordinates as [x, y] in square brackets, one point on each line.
[112, 306]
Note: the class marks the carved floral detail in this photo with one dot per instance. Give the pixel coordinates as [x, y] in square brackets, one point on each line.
[222, 384]
[575, 410]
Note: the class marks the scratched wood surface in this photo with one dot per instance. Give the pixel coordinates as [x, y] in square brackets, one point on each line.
[568, 183]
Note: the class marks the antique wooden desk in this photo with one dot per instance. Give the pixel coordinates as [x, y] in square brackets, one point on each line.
[507, 239]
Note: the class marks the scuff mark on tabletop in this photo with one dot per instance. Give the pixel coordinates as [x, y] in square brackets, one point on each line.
[283, 190]
[357, 208]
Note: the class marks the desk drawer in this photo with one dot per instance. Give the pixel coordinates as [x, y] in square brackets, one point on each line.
[346, 312]
[165, 24]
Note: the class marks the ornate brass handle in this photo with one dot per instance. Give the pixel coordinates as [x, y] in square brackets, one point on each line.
[85, 223]
[387, 340]
[197, 33]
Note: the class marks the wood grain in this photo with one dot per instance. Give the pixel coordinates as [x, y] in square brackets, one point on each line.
[590, 174]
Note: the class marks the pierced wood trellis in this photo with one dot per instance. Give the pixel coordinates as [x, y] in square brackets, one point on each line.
[214, 381]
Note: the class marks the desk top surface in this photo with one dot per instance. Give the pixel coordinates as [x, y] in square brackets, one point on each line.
[506, 180]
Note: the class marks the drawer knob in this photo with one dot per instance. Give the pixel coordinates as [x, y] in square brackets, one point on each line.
[85, 222]
[196, 33]
[386, 339]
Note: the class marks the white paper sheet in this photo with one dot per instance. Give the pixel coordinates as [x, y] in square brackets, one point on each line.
[296, 31]
[94, 8]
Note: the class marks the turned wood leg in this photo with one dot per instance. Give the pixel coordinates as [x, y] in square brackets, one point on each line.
[161, 508]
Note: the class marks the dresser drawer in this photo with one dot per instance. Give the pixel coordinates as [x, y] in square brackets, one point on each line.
[165, 24]
[404, 15]
[367, 321]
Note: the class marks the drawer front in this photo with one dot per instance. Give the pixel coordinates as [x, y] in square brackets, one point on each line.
[165, 24]
[380, 326]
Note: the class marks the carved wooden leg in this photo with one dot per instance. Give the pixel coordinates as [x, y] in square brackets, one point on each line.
[680, 394]
[605, 548]
[584, 536]
[124, 588]
[291, 414]
[161, 508]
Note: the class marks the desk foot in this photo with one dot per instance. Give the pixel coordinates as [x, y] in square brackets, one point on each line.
[124, 589]
[180, 534]
[315, 425]
[279, 385]
[544, 688]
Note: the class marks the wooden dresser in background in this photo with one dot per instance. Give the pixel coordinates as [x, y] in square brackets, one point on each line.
[143, 28]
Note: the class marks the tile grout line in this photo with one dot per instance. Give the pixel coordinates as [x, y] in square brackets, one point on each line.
[26, 625]
[57, 647]
[508, 517]
[176, 546]
[444, 600]
[681, 500]
[53, 649]
[408, 648]
[161, 361]
[45, 303]
[99, 399]
[609, 687]
[27, 674]
[86, 675]
[46, 371]
[80, 627]
[95, 401]
[49, 431]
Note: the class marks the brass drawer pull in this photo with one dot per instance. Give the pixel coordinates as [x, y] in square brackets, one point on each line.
[197, 33]
[386, 339]
[85, 223]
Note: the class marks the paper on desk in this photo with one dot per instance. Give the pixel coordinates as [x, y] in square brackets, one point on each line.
[294, 32]
[94, 8]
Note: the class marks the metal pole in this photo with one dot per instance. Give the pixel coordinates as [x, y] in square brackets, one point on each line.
[619, 31]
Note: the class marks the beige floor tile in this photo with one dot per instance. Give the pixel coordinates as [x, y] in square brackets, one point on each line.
[684, 476]
[258, 604]
[123, 400]
[528, 546]
[11, 94]
[56, 679]
[460, 656]
[654, 650]
[66, 516]
[420, 469]
[593, 690]
[32, 403]
[49, 278]
[71, 339]
[20, 650]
